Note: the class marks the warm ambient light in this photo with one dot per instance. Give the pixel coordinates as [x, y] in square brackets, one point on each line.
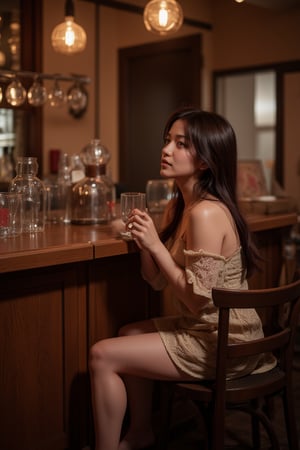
[163, 16]
[68, 37]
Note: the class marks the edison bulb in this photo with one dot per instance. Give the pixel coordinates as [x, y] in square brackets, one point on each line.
[68, 37]
[163, 16]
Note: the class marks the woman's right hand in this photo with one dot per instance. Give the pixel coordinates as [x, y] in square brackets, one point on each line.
[143, 230]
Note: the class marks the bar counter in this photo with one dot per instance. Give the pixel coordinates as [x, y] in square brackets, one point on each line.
[61, 244]
[62, 290]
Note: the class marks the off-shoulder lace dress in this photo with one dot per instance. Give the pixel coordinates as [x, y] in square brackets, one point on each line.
[190, 339]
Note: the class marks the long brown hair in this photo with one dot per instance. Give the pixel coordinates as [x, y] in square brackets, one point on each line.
[214, 141]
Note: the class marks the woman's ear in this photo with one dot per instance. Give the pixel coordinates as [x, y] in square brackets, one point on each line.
[202, 165]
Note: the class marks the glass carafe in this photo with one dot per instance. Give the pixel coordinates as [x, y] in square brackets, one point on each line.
[94, 197]
[33, 193]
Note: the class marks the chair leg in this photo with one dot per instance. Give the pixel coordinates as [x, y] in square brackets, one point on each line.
[206, 413]
[265, 421]
[290, 419]
[166, 403]
[218, 425]
[255, 427]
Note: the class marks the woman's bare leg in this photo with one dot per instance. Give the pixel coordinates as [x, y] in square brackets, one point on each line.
[137, 355]
[109, 400]
[140, 396]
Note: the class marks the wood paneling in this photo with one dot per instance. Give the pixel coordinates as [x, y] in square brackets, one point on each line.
[43, 325]
[117, 295]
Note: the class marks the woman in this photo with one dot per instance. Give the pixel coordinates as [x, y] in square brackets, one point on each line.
[204, 243]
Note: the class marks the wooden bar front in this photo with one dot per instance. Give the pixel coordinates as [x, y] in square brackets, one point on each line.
[61, 291]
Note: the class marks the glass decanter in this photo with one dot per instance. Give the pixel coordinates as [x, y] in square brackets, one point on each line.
[94, 197]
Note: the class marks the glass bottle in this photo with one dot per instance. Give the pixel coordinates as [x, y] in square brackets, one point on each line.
[33, 194]
[65, 186]
[94, 197]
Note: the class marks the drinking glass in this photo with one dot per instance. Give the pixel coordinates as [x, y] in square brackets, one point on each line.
[159, 192]
[56, 202]
[130, 201]
[10, 214]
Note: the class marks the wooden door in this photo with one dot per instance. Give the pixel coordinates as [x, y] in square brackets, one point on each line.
[154, 80]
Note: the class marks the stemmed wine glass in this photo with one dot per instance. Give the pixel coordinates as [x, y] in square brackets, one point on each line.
[37, 93]
[130, 201]
[15, 93]
[56, 95]
[77, 99]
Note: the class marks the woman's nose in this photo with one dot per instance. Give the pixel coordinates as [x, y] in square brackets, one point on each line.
[167, 150]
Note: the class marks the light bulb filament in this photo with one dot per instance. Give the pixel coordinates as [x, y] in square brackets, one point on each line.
[163, 17]
[69, 37]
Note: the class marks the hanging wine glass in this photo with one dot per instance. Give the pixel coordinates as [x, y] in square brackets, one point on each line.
[37, 94]
[77, 99]
[56, 95]
[15, 93]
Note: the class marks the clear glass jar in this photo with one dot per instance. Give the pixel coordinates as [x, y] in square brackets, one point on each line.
[94, 197]
[33, 193]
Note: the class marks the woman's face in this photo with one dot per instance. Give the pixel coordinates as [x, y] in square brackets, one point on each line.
[178, 154]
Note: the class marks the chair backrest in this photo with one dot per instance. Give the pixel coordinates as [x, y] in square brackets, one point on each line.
[284, 301]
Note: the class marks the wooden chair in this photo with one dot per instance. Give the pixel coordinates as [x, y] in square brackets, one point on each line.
[250, 393]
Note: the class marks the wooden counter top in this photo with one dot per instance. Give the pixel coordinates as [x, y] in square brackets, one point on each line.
[62, 244]
[269, 222]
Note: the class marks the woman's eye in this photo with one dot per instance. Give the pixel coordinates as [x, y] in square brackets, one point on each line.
[167, 141]
[181, 144]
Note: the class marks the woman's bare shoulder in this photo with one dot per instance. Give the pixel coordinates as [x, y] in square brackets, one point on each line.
[210, 227]
[208, 209]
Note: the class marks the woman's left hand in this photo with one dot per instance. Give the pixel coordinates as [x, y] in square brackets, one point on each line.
[143, 229]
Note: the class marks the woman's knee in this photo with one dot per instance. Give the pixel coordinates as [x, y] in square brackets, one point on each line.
[98, 355]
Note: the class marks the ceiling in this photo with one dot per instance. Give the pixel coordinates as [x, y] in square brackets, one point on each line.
[274, 4]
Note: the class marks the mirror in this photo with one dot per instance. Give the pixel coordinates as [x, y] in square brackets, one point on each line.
[255, 101]
[248, 101]
[20, 127]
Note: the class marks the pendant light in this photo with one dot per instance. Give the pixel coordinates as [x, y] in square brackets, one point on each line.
[163, 16]
[68, 37]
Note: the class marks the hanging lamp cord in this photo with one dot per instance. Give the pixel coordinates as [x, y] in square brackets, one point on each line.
[69, 8]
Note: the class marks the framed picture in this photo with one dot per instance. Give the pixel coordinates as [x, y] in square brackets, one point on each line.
[251, 180]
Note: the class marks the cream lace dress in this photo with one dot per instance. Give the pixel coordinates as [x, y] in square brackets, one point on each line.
[190, 339]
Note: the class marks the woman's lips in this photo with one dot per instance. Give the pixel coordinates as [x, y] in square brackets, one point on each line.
[164, 162]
